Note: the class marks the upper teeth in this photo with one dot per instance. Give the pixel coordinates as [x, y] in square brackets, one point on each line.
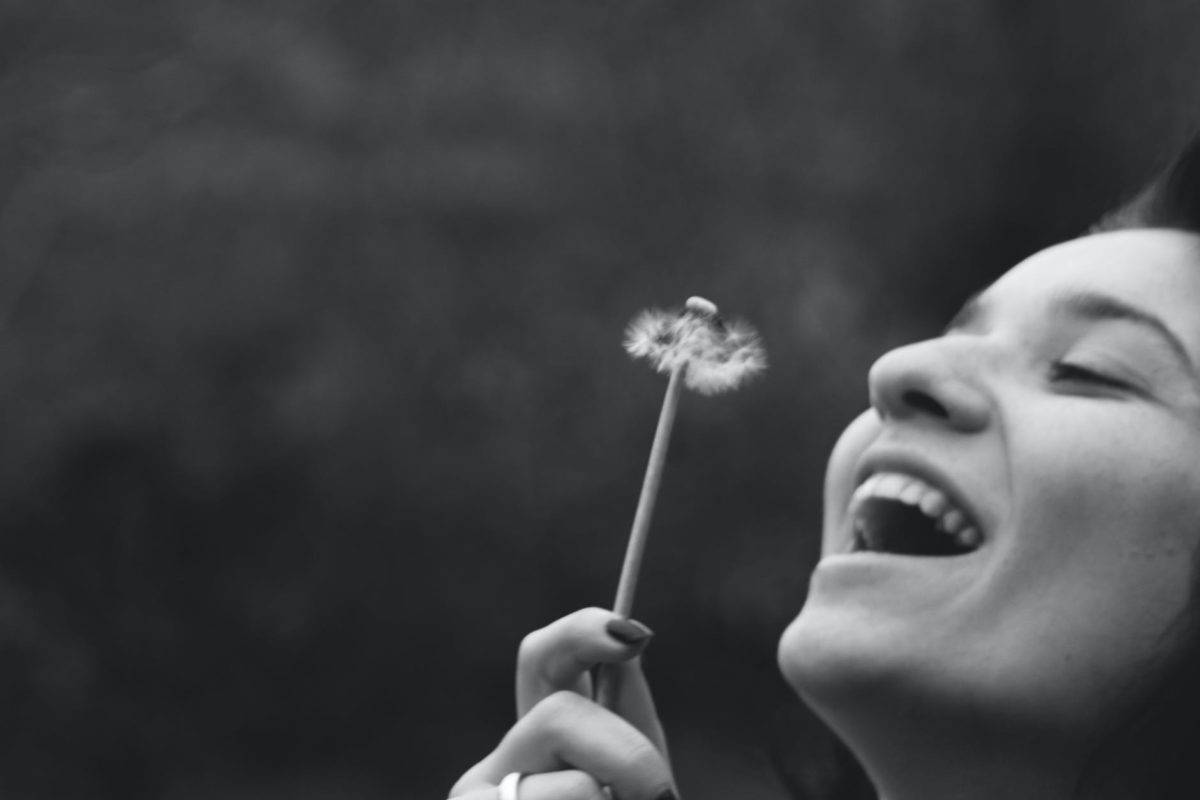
[919, 494]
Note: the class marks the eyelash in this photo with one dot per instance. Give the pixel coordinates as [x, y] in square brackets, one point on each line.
[1066, 371]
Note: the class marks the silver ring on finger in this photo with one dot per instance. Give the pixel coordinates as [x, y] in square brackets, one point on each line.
[510, 786]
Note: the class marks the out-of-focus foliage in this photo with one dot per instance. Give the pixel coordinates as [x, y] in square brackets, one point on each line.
[312, 398]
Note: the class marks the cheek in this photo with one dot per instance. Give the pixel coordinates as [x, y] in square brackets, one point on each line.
[1097, 566]
[1133, 493]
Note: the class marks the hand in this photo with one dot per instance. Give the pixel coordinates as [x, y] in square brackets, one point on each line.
[569, 746]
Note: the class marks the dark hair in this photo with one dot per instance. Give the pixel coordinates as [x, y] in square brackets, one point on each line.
[1172, 200]
[1149, 753]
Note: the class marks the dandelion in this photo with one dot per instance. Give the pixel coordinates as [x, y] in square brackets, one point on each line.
[718, 355]
[707, 354]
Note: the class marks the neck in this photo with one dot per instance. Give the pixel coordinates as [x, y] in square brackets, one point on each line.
[910, 756]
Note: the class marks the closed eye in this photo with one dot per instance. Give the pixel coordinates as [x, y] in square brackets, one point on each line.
[1066, 372]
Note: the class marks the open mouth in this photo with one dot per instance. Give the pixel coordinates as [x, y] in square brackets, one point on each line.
[903, 515]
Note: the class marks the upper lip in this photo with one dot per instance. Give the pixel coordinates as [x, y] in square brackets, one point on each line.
[908, 463]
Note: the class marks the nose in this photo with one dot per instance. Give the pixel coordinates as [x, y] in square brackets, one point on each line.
[935, 380]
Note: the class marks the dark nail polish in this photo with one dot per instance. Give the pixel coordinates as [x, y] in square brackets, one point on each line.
[627, 631]
[666, 795]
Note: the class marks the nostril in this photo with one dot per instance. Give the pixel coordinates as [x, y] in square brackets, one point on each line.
[922, 402]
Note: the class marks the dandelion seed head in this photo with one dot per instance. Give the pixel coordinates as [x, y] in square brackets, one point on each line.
[719, 356]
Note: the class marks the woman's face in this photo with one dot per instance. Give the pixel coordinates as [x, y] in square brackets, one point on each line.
[1009, 530]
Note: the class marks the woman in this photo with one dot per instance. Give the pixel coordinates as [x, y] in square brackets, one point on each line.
[1003, 608]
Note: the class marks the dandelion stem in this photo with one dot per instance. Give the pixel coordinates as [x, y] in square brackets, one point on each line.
[604, 677]
[645, 507]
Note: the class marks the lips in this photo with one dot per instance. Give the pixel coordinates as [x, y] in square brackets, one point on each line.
[899, 512]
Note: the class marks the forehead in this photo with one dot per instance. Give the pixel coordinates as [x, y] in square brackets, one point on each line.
[1156, 270]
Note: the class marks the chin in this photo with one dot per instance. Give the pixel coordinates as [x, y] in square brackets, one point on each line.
[831, 660]
[870, 680]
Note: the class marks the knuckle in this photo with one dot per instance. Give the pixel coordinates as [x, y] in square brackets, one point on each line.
[532, 648]
[641, 755]
[559, 712]
[563, 703]
[538, 646]
[542, 652]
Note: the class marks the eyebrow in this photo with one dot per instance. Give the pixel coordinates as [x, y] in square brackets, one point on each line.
[1093, 306]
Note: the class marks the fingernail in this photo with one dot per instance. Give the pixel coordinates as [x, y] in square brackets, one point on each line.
[628, 631]
[666, 795]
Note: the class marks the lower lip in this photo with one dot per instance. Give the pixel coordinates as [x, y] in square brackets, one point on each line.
[864, 569]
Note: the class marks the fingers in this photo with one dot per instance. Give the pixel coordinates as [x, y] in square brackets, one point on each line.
[566, 732]
[565, 785]
[558, 656]
[570, 784]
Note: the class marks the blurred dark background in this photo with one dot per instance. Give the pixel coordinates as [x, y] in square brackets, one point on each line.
[312, 398]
